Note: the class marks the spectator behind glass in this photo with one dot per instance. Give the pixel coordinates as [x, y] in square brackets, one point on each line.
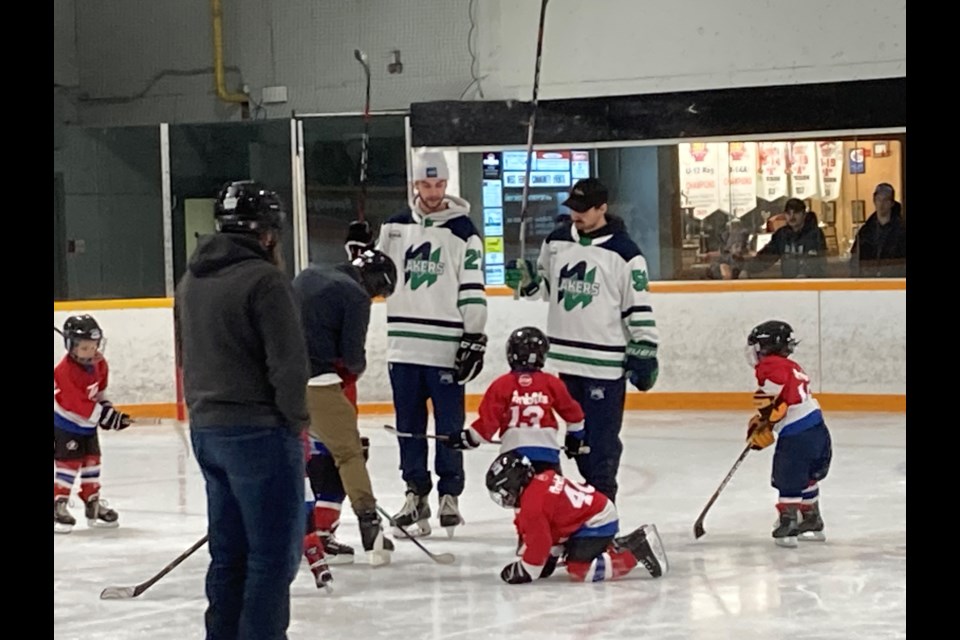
[727, 263]
[800, 246]
[880, 248]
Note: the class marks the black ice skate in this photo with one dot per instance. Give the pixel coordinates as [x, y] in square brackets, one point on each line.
[375, 543]
[415, 511]
[646, 546]
[811, 525]
[322, 576]
[62, 520]
[788, 526]
[450, 516]
[99, 515]
[336, 552]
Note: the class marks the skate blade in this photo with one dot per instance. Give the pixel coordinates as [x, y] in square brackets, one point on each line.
[326, 588]
[656, 546]
[378, 558]
[100, 524]
[340, 558]
[789, 542]
[414, 532]
[812, 536]
[62, 528]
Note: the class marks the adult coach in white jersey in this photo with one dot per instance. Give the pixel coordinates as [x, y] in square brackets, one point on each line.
[435, 334]
[600, 322]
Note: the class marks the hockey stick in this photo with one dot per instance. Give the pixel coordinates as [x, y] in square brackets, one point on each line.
[442, 438]
[439, 558]
[123, 593]
[361, 210]
[524, 199]
[58, 331]
[698, 525]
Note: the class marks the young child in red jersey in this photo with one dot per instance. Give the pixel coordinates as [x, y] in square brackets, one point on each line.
[786, 407]
[520, 407]
[79, 407]
[557, 518]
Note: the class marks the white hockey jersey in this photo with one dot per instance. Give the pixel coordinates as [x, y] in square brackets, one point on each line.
[599, 300]
[440, 290]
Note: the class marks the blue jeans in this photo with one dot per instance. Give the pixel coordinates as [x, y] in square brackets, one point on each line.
[254, 480]
[412, 385]
[602, 402]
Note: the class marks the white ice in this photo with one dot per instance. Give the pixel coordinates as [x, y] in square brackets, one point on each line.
[732, 584]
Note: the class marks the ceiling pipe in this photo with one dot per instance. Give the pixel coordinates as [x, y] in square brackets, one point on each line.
[218, 74]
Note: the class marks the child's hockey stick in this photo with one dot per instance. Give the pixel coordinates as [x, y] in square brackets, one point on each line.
[123, 593]
[698, 525]
[439, 558]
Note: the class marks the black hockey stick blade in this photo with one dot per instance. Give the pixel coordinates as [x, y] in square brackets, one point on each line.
[125, 593]
[698, 529]
[401, 434]
[439, 558]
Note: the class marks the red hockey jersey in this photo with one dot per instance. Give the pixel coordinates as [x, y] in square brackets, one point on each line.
[78, 391]
[521, 406]
[786, 381]
[552, 509]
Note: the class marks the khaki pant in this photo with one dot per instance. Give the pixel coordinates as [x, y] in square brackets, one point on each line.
[333, 421]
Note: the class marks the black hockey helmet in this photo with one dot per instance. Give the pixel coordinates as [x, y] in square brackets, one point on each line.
[527, 349]
[378, 273]
[359, 239]
[82, 327]
[770, 337]
[248, 207]
[507, 477]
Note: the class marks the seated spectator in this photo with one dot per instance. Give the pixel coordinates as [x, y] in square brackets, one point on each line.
[880, 248]
[727, 263]
[799, 246]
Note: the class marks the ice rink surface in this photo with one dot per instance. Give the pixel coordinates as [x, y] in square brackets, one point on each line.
[732, 584]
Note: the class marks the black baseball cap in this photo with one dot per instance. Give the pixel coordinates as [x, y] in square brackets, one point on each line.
[585, 195]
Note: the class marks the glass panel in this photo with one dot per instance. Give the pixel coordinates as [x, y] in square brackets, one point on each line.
[706, 210]
[108, 214]
[332, 150]
[203, 157]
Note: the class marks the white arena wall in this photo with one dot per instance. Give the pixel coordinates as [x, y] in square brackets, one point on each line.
[853, 344]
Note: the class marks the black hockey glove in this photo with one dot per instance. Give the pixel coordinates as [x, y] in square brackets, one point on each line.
[573, 445]
[642, 369]
[515, 573]
[462, 440]
[110, 418]
[469, 361]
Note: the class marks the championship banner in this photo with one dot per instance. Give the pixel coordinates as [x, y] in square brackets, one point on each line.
[773, 169]
[699, 183]
[830, 155]
[742, 178]
[803, 170]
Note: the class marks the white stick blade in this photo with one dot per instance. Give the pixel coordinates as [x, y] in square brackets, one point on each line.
[117, 593]
[444, 558]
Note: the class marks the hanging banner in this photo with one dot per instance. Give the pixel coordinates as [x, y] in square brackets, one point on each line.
[773, 169]
[830, 156]
[742, 192]
[803, 170]
[699, 183]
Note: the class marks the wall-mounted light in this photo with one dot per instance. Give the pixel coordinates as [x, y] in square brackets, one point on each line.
[396, 66]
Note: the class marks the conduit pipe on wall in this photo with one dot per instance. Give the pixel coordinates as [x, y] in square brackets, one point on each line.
[239, 98]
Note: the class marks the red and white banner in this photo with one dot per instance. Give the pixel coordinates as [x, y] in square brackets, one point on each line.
[830, 155]
[773, 169]
[742, 191]
[699, 177]
[804, 177]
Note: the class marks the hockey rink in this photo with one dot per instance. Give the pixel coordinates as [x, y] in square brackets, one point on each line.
[732, 584]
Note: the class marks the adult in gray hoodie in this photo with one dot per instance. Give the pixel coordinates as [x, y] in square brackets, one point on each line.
[245, 373]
